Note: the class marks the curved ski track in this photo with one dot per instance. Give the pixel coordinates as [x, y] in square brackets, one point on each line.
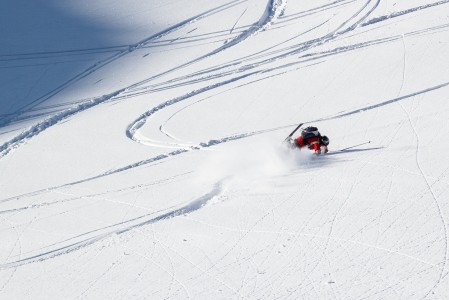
[34, 130]
[274, 11]
[182, 148]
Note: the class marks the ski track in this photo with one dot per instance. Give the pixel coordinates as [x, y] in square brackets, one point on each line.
[307, 57]
[47, 123]
[85, 73]
[404, 12]
[215, 142]
[435, 199]
[301, 232]
[139, 122]
[235, 24]
[200, 202]
[118, 229]
[282, 56]
[131, 130]
[73, 197]
[297, 49]
[17, 243]
[196, 266]
[61, 53]
[34, 130]
[275, 9]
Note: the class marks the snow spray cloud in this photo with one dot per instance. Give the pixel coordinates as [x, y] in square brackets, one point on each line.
[252, 159]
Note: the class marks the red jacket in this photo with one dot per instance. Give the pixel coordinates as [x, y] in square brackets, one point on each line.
[312, 143]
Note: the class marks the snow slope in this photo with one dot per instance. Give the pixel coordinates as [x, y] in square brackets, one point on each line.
[141, 156]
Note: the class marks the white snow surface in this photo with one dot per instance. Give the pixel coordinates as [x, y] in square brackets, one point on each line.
[141, 150]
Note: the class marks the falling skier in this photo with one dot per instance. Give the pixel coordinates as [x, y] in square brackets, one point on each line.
[311, 138]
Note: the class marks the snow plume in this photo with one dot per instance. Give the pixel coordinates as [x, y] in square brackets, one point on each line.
[253, 159]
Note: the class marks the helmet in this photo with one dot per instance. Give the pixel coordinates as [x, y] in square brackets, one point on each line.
[310, 131]
[324, 140]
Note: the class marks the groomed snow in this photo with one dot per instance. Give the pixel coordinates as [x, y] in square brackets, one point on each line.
[141, 154]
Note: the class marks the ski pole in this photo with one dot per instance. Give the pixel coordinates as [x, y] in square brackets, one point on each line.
[355, 146]
[293, 132]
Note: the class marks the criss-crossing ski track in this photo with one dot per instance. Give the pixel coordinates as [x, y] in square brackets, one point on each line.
[274, 9]
[262, 65]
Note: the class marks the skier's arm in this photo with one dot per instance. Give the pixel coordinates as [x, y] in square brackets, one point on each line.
[299, 142]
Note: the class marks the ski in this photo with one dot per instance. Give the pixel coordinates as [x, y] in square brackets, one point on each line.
[347, 148]
[293, 132]
[344, 149]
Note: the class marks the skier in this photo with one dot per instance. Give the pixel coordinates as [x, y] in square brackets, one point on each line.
[311, 138]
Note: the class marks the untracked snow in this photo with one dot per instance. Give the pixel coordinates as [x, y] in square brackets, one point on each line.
[141, 152]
